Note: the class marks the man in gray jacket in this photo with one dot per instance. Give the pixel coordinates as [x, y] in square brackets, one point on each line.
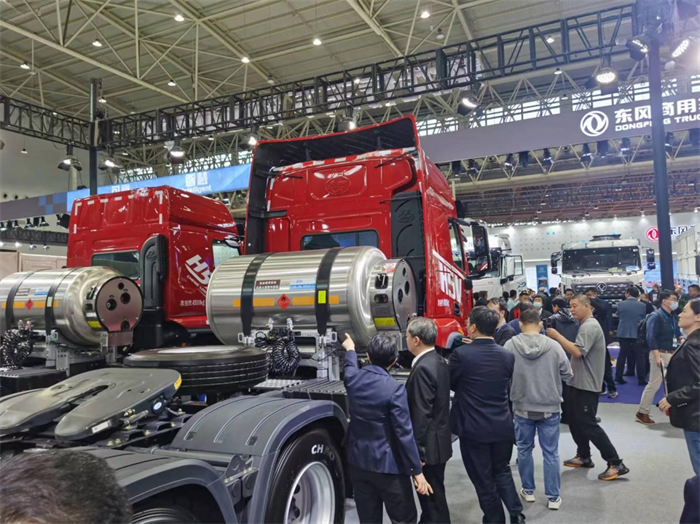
[536, 392]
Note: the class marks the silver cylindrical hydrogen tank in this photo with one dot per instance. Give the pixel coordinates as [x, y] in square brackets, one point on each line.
[79, 302]
[356, 289]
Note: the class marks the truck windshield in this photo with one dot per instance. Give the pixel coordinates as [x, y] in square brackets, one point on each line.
[349, 239]
[601, 259]
[126, 262]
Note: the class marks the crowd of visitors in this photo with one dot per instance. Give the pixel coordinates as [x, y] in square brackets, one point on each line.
[527, 364]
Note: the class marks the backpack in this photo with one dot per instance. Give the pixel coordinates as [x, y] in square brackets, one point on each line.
[642, 332]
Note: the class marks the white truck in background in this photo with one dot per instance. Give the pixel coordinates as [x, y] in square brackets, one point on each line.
[507, 270]
[606, 262]
[686, 247]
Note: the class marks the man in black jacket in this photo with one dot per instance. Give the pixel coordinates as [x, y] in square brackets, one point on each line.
[683, 379]
[480, 375]
[428, 389]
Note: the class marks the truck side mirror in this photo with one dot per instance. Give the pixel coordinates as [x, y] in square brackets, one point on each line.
[482, 252]
[232, 242]
[468, 284]
[651, 260]
[554, 259]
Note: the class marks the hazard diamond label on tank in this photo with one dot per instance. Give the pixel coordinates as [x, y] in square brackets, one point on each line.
[284, 302]
[29, 304]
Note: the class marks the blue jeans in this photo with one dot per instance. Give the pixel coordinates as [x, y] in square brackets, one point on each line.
[548, 433]
[692, 439]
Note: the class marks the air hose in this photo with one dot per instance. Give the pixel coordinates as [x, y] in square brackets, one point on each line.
[283, 351]
[14, 348]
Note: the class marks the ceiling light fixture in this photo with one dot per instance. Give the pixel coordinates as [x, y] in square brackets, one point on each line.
[46, 247]
[25, 65]
[347, 124]
[317, 41]
[270, 80]
[102, 100]
[607, 75]
[176, 154]
[24, 151]
[179, 17]
[245, 60]
[440, 35]
[18, 243]
[637, 47]
[357, 80]
[680, 48]
[425, 14]
[470, 101]
[557, 71]
[97, 43]
[550, 40]
[172, 83]
[70, 161]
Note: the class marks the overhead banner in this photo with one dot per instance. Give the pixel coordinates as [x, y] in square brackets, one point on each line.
[224, 179]
[681, 112]
[221, 180]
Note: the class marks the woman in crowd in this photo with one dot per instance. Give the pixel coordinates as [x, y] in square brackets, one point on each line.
[683, 382]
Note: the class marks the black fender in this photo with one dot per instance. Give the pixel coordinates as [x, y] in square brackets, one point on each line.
[144, 475]
[252, 431]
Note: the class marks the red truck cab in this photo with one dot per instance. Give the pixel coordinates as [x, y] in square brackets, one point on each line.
[167, 239]
[373, 187]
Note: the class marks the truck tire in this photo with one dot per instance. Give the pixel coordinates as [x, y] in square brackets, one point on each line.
[212, 369]
[309, 483]
[163, 515]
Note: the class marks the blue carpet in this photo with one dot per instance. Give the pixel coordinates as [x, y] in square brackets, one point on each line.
[630, 393]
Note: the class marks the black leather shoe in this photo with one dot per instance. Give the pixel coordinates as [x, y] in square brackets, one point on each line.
[519, 518]
[620, 381]
[643, 382]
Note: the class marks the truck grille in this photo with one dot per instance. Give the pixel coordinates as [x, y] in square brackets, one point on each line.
[613, 293]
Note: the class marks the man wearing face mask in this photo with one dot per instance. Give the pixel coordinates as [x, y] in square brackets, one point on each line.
[538, 302]
[662, 333]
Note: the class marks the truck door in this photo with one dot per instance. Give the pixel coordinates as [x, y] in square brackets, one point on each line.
[461, 307]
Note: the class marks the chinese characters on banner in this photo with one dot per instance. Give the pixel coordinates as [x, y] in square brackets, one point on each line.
[676, 112]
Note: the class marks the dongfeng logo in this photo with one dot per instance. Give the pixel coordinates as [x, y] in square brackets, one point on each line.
[601, 286]
[594, 123]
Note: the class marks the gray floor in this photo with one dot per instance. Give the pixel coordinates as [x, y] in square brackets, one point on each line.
[651, 493]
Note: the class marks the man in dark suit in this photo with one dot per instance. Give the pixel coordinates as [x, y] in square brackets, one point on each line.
[480, 374]
[428, 389]
[381, 449]
[631, 312]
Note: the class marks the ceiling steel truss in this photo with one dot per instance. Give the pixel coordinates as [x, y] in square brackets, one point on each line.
[403, 78]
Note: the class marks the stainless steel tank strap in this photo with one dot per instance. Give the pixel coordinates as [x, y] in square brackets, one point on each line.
[323, 281]
[48, 310]
[247, 291]
[9, 309]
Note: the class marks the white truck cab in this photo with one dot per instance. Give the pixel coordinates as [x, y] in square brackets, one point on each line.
[506, 271]
[606, 262]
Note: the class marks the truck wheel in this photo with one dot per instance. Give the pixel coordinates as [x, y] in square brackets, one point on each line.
[308, 485]
[207, 369]
[163, 515]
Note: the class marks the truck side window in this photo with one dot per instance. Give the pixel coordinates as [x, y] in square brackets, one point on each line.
[456, 248]
[222, 252]
[348, 239]
[126, 262]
